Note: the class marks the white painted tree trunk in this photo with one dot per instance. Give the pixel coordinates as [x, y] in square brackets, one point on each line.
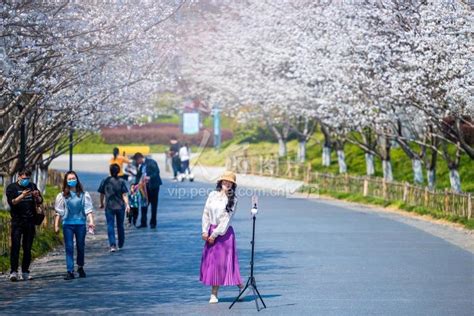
[369, 164]
[341, 159]
[7, 180]
[431, 176]
[455, 180]
[41, 178]
[281, 147]
[387, 170]
[326, 156]
[302, 151]
[417, 171]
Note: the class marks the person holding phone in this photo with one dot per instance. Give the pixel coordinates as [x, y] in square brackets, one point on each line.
[23, 197]
[74, 205]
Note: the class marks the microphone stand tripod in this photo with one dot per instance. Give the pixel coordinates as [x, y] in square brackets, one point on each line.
[251, 280]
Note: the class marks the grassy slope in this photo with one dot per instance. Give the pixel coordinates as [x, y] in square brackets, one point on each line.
[402, 170]
[96, 145]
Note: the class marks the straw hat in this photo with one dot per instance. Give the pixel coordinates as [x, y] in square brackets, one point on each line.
[228, 176]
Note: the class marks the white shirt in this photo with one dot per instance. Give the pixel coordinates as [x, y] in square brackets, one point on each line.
[215, 214]
[184, 153]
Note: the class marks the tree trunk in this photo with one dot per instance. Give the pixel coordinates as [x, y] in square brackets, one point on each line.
[455, 180]
[431, 176]
[341, 159]
[387, 170]
[302, 150]
[282, 151]
[431, 161]
[326, 156]
[417, 171]
[369, 164]
[41, 178]
[7, 180]
[326, 146]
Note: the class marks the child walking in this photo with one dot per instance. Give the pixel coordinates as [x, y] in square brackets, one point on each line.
[134, 199]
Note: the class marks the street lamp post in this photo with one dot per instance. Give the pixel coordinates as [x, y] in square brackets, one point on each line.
[22, 156]
[71, 145]
[23, 134]
[22, 144]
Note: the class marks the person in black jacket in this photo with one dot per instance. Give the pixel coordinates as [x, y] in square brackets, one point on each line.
[23, 197]
[175, 161]
[148, 173]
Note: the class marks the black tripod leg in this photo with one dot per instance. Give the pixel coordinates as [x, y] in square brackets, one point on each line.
[240, 294]
[255, 287]
[256, 298]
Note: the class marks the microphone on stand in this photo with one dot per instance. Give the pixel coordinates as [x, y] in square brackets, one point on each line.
[254, 209]
[251, 282]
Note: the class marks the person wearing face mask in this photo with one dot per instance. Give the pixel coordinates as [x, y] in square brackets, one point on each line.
[23, 197]
[74, 206]
[219, 262]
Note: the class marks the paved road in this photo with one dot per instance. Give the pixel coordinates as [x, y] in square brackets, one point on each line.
[312, 258]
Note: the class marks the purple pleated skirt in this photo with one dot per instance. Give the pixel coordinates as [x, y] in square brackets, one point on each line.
[219, 262]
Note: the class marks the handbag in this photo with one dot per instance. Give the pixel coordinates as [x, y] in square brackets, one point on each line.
[39, 215]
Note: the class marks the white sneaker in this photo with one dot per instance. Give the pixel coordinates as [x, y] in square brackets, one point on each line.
[25, 276]
[213, 299]
[113, 249]
[13, 277]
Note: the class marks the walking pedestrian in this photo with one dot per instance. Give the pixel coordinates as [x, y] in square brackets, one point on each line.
[149, 177]
[115, 193]
[135, 200]
[23, 197]
[184, 156]
[74, 206]
[119, 160]
[219, 262]
[174, 154]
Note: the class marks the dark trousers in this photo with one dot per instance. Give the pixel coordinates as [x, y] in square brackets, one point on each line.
[22, 235]
[133, 215]
[113, 216]
[153, 200]
[176, 166]
[185, 166]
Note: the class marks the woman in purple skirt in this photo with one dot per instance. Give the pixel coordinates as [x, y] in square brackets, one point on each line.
[219, 263]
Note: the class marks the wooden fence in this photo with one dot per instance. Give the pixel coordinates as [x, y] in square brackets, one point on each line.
[54, 178]
[442, 201]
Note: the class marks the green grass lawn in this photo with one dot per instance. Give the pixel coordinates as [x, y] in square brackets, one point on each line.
[467, 223]
[95, 144]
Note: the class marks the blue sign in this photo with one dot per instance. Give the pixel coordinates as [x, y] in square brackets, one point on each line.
[191, 123]
[217, 128]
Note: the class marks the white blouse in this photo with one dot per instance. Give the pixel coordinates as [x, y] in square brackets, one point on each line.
[60, 204]
[215, 214]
